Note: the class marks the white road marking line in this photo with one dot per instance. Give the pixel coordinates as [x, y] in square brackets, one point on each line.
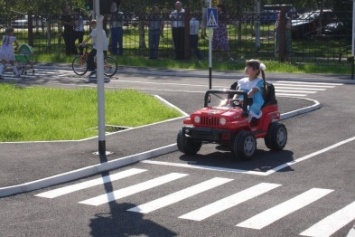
[273, 214]
[306, 157]
[295, 91]
[299, 88]
[90, 183]
[288, 94]
[124, 192]
[203, 167]
[295, 85]
[332, 223]
[252, 172]
[162, 83]
[228, 202]
[313, 83]
[179, 195]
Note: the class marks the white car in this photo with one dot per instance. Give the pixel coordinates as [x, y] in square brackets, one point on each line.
[23, 23]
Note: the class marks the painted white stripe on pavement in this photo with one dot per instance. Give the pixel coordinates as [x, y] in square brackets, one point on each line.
[288, 94]
[90, 183]
[332, 223]
[228, 202]
[180, 195]
[278, 88]
[306, 157]
[124, 192]
[203, 167]
[295, 85]
[311, 83]
[296, 91]
[273, 214]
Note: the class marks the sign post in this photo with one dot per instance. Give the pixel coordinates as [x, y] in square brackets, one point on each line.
[212, 22]
[100, 78]
[353, 43]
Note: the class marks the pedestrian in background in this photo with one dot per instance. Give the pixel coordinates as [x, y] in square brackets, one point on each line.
[78, 27]
[116, 25]
[283, 37]
[177, 18]
[156, 25]
[194, 32]
[7, 54]
[220, 41]
[68, 34]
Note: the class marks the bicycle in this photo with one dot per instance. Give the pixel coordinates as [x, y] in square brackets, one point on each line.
[79, 64]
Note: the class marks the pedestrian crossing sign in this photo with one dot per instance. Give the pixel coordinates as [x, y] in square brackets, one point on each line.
[212, 18]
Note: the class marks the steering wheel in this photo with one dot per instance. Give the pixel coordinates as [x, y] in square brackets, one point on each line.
[236, 102]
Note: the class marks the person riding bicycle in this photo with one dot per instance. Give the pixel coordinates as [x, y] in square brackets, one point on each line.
[92, 54]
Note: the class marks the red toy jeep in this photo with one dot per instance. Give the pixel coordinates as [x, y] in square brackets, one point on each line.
[227, 125]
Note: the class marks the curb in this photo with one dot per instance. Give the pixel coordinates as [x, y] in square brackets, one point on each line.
[117, 163]
[85, 172]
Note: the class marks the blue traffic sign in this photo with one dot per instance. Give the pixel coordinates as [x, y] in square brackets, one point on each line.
[212, 18]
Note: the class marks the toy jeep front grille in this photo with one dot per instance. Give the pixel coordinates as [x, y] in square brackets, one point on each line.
[209, 121]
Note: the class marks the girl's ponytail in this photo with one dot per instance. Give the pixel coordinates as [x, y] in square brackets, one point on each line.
[262, 70]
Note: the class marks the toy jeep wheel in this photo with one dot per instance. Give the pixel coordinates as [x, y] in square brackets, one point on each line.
[276, 137]
[244, 145]
[186, 145]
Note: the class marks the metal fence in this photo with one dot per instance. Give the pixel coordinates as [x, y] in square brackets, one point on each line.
[313, 42]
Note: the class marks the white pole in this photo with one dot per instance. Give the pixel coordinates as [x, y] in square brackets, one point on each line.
[210, 33]
[257, 26]
[100, 79]
[353, 33]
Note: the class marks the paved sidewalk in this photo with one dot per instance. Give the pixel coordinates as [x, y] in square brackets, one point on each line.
[219, 74]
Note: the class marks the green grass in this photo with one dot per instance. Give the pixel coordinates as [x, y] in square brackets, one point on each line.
[238, 65]
[41, 113]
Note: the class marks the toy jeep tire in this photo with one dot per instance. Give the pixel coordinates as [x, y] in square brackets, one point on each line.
[276, 137]
[186, 145]
[244, 145]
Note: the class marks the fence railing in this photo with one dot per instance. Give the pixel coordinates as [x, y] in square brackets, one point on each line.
[311, 42]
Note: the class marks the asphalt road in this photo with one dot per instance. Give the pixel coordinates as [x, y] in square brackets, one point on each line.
[305, 190]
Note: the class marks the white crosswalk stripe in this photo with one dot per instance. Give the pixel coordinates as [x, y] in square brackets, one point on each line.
[325, 227]
[180, 195]
[91, 183]
[301, 89]
[125, 192]
[275, 213]
[228, 202]
[332, 223]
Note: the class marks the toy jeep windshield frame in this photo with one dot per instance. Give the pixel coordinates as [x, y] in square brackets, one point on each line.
[229, 95]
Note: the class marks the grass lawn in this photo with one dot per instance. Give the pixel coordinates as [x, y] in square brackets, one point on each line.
[42, 113]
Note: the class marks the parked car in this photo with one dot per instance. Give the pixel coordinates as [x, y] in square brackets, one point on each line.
[23, 23]
[308, 23]
[335, 29]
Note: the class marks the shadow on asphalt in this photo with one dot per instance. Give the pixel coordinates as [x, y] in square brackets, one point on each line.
[120, 222]
[263, 160]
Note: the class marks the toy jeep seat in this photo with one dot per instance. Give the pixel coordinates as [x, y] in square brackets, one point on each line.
[269, 94]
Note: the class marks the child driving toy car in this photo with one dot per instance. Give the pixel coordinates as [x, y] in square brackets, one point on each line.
[253, 85]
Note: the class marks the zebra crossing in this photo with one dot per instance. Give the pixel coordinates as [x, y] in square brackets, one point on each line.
[40, 73]
[324, 227]
[300, 88]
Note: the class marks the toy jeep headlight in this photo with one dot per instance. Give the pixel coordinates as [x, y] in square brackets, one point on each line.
[222, 121]
[197, 119]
